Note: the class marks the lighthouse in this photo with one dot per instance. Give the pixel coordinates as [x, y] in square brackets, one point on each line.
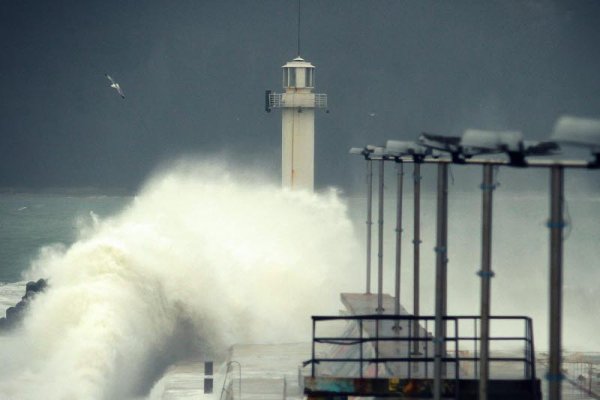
[297, 103]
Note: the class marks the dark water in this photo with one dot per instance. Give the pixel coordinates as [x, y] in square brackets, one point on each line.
[30, 221]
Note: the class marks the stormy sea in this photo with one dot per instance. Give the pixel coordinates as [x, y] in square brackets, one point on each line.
[200, 259]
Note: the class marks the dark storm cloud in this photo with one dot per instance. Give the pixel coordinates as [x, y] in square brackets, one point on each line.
[194, 73]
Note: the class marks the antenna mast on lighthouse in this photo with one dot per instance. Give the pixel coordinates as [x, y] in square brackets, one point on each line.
[297, 103]
[298, 52]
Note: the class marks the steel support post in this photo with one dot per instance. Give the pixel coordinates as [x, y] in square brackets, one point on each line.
[400, 167]
[486, 274]
[416, 249]
[590, 378]
[556, 225]
[440, 277]
[380, 238]
[369, 220]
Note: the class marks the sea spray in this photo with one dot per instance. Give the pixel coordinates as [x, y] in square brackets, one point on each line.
[198, 261]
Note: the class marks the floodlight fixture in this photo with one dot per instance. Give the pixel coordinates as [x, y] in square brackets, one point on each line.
[436, 153]
[446, 144]
[477, 141]
[379, 153]
[577, 131]
[543, 148]
[363, 151]
[531, 148]
[399, 148]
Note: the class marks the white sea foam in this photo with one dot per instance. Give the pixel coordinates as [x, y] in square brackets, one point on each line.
[197, 262]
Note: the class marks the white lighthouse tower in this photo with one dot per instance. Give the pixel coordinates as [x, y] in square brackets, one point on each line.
[298, 104]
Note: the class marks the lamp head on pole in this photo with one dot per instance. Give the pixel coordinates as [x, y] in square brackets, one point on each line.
[378, 153]
[583, 132]
[442, 144]
[399, 148]
[363, 151]
[477, 141]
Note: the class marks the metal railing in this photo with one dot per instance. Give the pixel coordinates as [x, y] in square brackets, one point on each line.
[584, 374]
[375, 353]
[320, 100]
[276, 100]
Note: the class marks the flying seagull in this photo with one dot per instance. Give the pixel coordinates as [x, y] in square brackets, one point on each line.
[115, 85]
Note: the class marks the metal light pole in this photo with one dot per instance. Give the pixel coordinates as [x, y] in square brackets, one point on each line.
[380, 247]
[366, 152]
[400, 167]
[486, 275]
[440, 277]
[369, 220]
[416, 249]
[556, 225]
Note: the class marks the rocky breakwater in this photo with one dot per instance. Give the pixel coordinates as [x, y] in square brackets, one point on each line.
[15, 314]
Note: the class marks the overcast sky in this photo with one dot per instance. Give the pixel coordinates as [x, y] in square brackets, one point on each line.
[195, 72]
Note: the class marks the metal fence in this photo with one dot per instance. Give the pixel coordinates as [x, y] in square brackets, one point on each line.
[389, 345]
[584, 374]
